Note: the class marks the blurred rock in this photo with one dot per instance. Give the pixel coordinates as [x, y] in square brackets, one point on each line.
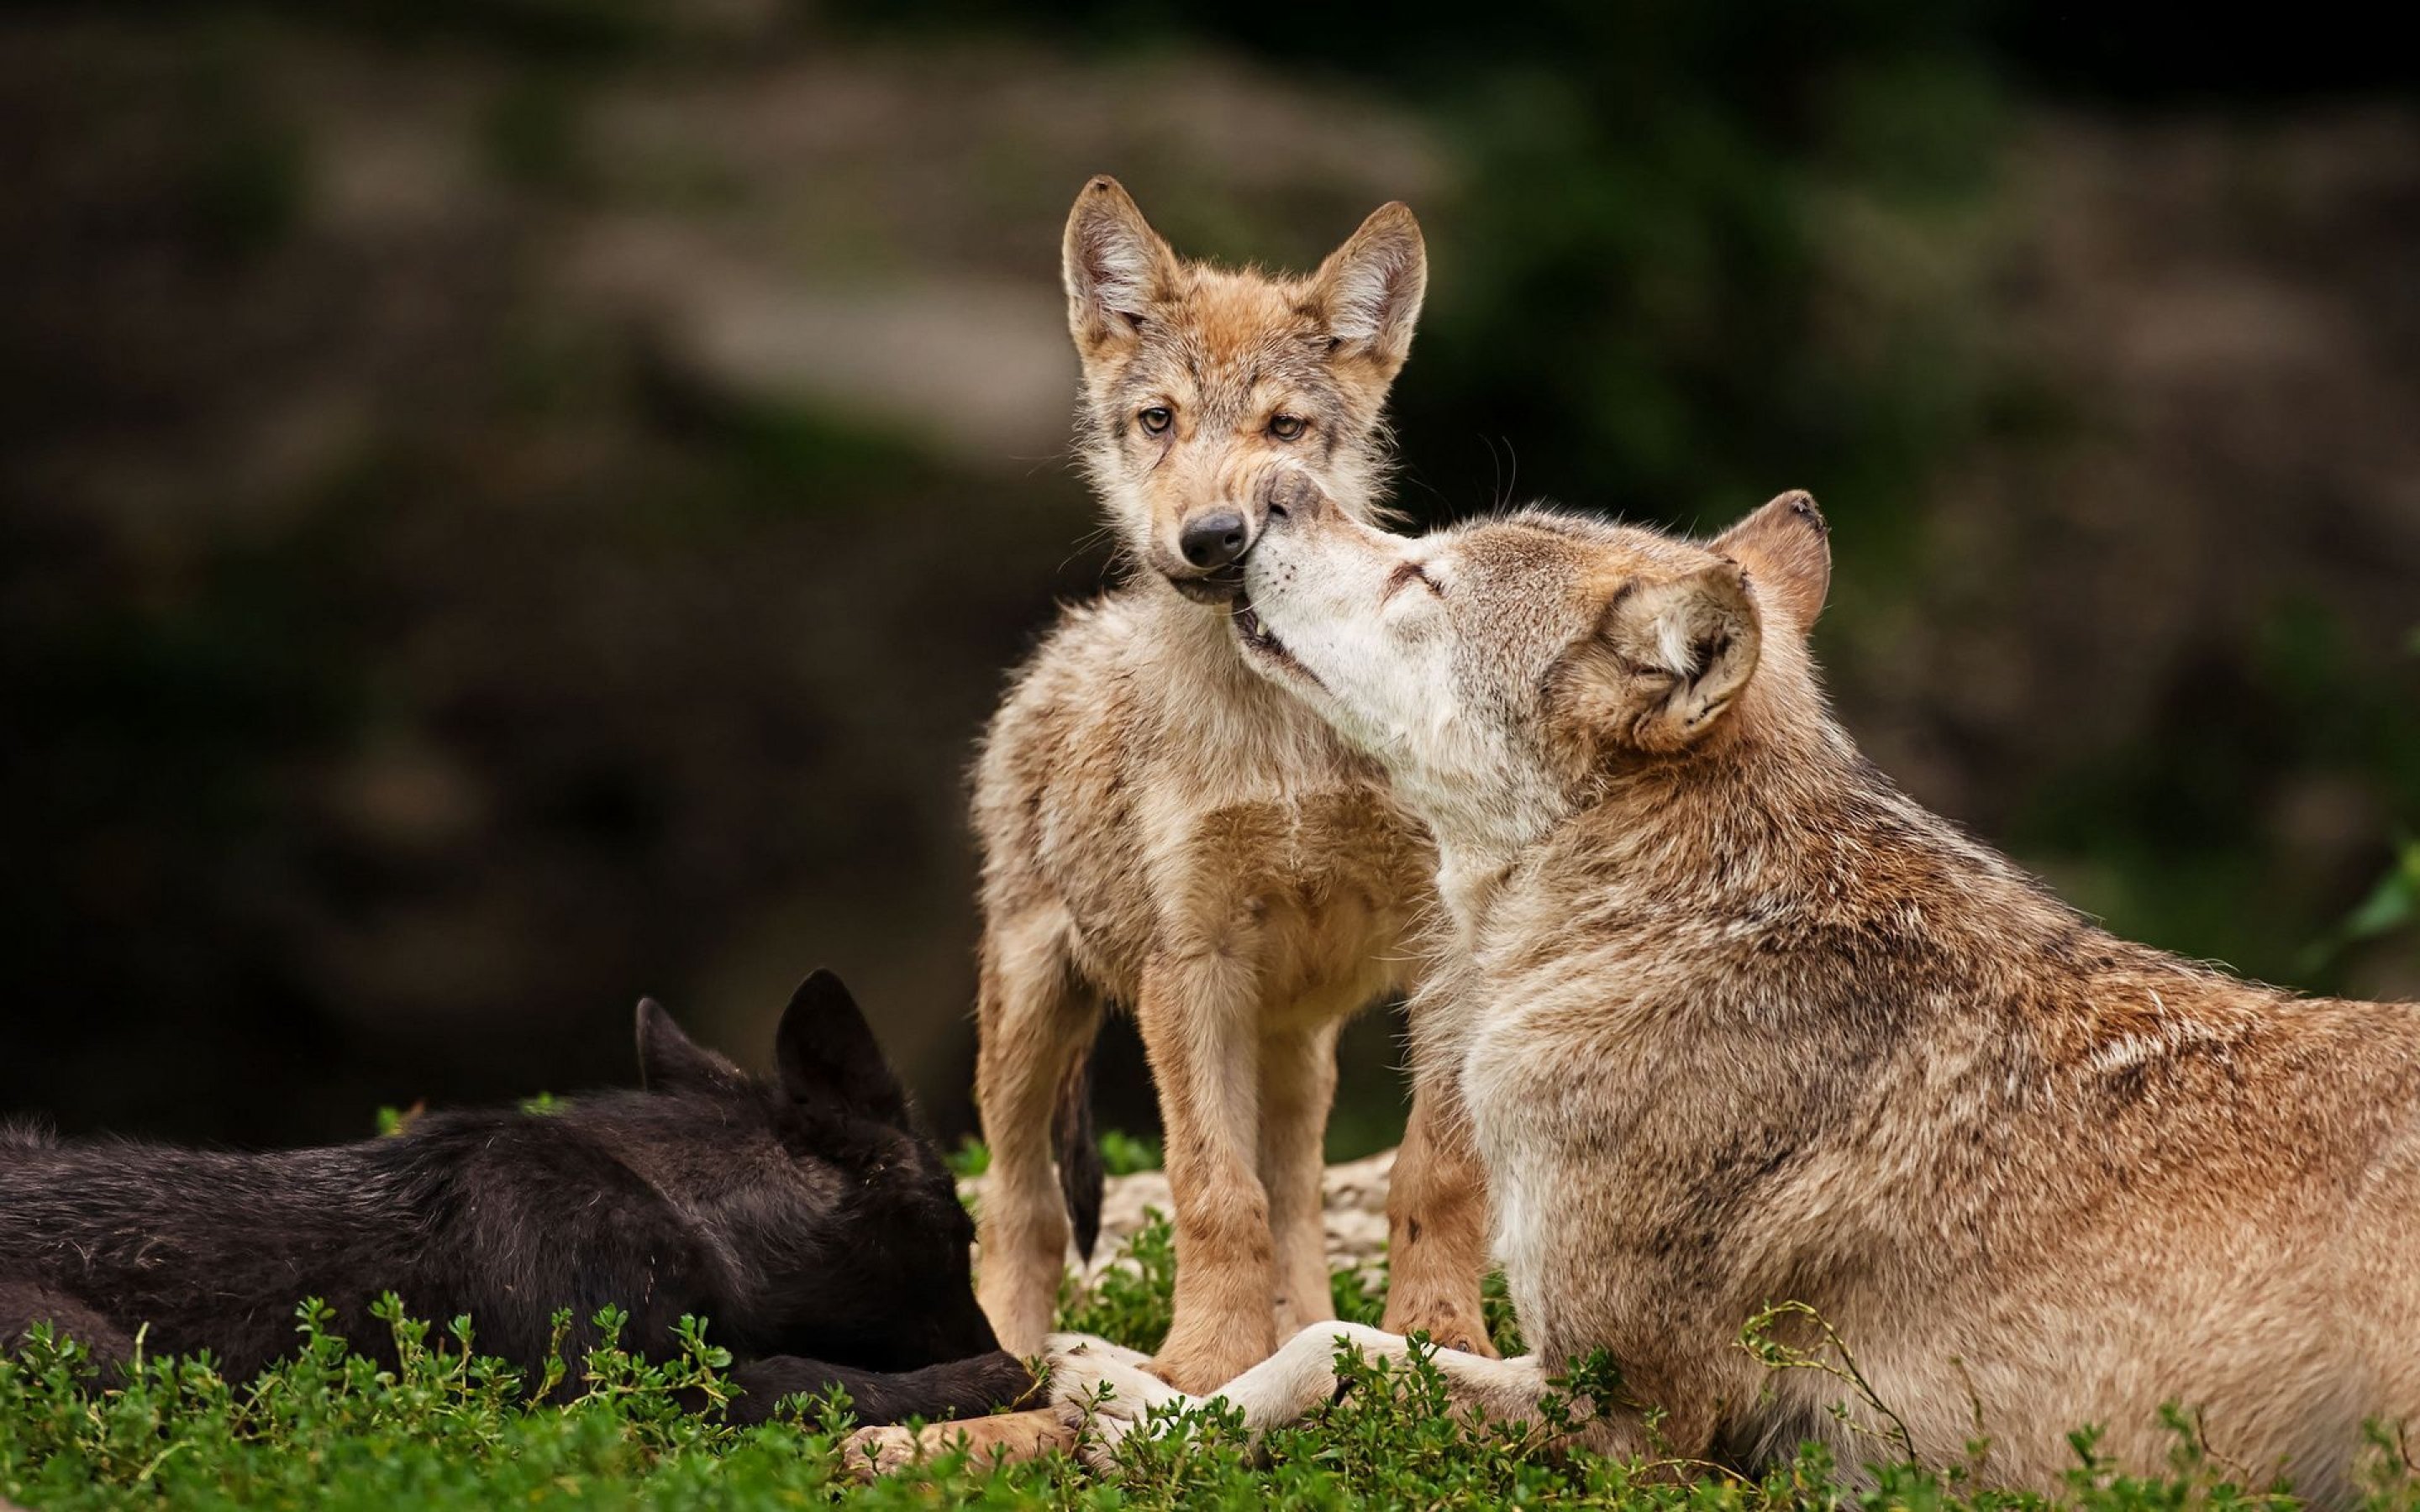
[1354, 1211]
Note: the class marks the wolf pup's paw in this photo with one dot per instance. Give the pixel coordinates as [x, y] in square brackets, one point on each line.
[1002, 1438]
[1199, 1370]
[1104, 1391]
[871, 1453]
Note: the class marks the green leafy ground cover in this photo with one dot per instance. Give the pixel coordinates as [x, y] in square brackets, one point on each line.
[330, 1428]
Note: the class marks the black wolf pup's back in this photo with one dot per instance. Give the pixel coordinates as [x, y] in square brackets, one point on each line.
[818, 1234]
[212, 1251]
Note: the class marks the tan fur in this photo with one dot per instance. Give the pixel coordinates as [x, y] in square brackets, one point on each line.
[1740, 1023]
[1165, 830]
[1002, 1438]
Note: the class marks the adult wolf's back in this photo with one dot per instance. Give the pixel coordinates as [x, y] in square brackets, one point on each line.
[1164, 830]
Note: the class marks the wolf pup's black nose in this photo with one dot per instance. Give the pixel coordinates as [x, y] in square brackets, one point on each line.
[1214, 540]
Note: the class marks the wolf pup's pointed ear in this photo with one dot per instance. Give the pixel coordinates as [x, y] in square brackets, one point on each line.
[1666, 662]
[827, 1056]
[1786, 548]
[1369, 290]
[671, 1061]
[1115, 266]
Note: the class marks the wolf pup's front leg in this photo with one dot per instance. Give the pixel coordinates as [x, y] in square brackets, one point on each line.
[1436, 1223]
[1197, 1018]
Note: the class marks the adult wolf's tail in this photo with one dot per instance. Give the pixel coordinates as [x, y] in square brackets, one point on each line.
[1079, 1152]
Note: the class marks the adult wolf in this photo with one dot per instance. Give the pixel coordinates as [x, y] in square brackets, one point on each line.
[1163, 829]
[1739, 1022]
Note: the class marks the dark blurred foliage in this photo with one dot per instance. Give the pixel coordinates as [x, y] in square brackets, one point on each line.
[505, 506]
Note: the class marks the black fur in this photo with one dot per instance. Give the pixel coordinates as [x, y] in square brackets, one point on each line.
[821, 1238]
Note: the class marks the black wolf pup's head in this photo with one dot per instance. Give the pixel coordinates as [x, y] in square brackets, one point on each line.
[839, 1224]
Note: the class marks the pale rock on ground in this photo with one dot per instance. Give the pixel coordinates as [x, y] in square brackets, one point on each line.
[1356, 1211]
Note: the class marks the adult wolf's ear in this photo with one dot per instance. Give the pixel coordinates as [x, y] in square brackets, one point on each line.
[671, 1061]
[1369, 290]
[1115, 266]
[827, 1057]
[1666, 661]
[1786, 548]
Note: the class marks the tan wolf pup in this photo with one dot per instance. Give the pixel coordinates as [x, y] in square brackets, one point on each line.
[1164, 828]
[1738, 1024]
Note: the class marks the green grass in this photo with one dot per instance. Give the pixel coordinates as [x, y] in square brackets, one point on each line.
[1122, 1154]
[330, 1428]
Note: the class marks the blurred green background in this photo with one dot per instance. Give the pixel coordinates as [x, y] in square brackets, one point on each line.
[510, 504]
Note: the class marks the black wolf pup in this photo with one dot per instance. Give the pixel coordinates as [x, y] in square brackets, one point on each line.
[818, 1234]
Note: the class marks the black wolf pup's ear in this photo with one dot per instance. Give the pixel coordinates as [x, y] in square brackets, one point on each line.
[1115, 266]
[829, 1057]
[1786, 550]
[1370, 288]
[671, 1061]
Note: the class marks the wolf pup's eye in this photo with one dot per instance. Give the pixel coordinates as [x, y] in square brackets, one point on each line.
[1286, 427]
[1155, 419]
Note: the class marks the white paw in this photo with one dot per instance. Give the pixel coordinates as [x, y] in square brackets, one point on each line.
[1102, 1390]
